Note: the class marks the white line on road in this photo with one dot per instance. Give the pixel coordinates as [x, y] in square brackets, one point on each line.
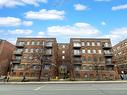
[38, 88]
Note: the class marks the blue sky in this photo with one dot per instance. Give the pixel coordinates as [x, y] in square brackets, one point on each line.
[63, 19]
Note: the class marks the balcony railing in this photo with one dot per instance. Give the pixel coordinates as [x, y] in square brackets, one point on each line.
[109, 63]
[49, 53]
[107, 46]
[77, 63]
[76, 45]
[20, 45]
[77, 54]
[17, 52]
[48, 45]
[77, 60]
[108, 54]
[16, 61]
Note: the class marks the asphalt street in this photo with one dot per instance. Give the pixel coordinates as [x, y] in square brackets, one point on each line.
[64, 89]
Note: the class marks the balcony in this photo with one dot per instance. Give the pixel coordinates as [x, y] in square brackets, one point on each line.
[108, 61]
[108, 54]
[16, 61]
[109, 64]
[77, 60]
[20, 45]
[76, 45]
[77, 67]
[77, 54]
[48, 54]
[49, 45]
[107, 46]
[17, 52]
[77, 63]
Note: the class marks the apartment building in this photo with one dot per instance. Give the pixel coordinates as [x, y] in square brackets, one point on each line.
[120, 56]
[82, 58]
[35, 58]
[92, 59]
[6, 50]
[63, 60]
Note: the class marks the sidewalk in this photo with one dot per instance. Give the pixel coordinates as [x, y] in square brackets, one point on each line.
[67, 82]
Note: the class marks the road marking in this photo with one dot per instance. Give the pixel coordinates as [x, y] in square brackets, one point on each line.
[38, 88]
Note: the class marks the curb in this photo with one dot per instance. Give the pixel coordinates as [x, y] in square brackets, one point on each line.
[67, 82]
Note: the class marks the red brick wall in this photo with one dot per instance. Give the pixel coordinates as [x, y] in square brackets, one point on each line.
[6, 49]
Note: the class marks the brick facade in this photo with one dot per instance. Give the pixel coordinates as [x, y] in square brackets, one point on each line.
[35, 57]
[6, 50]
[120, 56]
[63, 60]
[92, 59]
[82, 58]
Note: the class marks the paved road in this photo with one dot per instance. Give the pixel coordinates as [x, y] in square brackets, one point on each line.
[64, 89]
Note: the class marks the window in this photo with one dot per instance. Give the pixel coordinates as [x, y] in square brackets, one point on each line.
[38, 43]
[17, 57]
[99, 51]
[107, 52]
[33, 43]
[63, 57]
[76, 52]
[77, 68]
[49, 51]
[43, 43]
[109, 60]
[31, 50]
[98, 43]
[84, 67]
[77, 44]
[106, 44]
[28, 43]
[94, 51]
[93, 43]
[30, 57]
[77, 59]
[37, 50]
[89, 51]
[47, 67]
[83, 60]
[15, 67]
[95, 59]
[89, 59]
[21, 43]
[48, 43]
[19, 50]
[83, 51]
[83, 43]
[63, 46]
[88, 44]
[63, 51]
[26, 50]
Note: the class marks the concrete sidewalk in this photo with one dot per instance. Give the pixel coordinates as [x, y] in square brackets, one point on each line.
[67, 82]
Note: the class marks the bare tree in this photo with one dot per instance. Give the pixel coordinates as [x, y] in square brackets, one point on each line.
[72, 72]
[39, 57]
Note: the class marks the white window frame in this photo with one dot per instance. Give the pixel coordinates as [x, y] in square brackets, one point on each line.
[89, 51]
[63, 57]
[83, 51]
[93, 43]
[63, 51]
[94, 51]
